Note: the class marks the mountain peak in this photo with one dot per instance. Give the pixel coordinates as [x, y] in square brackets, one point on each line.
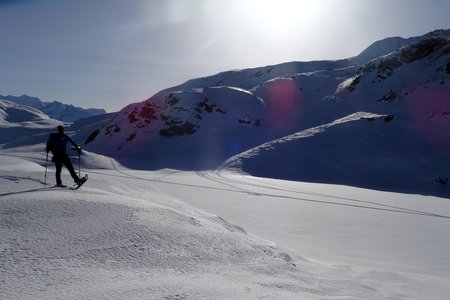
[403, 82]
[391, 44]
[55, 109]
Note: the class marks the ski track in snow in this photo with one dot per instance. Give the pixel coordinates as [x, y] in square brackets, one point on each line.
[129, 234]
[234, 185]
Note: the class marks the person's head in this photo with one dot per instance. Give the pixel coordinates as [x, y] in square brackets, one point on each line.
[60, 129]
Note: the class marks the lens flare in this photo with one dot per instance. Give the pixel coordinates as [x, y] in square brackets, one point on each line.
[283, 103]
[429, 109]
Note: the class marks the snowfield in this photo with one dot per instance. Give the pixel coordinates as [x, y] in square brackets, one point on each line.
[166, 234]
[360, 208]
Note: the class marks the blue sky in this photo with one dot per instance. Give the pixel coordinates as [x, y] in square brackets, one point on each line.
[109, 53]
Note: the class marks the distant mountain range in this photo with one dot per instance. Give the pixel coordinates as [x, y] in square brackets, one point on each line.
[378, 120]
[55, 109]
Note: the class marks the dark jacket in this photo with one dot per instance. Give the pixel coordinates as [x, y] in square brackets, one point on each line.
[57, 143]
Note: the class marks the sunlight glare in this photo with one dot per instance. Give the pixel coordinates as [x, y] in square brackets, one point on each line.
[281, 16]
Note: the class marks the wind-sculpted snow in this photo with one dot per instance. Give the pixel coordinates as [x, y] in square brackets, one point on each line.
[128, 234]
[114, 241]
[119, 237]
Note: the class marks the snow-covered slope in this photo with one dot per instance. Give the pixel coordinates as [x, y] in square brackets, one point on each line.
[118, 239]
[12, 114]
[129, 234]
[126, 235]
[23, 125]
[362, 149]
[55, 109]
[205, 121]
[200, 127]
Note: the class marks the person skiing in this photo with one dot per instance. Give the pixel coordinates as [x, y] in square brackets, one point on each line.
[57, 144]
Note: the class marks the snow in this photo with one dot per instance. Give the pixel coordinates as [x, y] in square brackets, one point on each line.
[137, 235]
[163, 217]
[56, 110]
[116, 239]
[12, 114]
[294, 109]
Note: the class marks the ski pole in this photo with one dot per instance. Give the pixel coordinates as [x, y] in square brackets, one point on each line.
[78, 149]
[45, 177]
[79, 162]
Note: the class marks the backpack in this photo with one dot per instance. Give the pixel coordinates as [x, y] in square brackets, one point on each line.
[51, 143]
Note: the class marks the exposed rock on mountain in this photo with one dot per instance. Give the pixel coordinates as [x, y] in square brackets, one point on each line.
[402, 142]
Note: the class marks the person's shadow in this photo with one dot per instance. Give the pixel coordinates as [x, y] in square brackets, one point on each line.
[17, 179]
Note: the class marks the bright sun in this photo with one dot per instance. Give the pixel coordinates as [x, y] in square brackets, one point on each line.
[280, 16]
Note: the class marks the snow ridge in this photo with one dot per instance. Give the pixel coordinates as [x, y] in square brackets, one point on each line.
[203, 122]
[55, 109]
